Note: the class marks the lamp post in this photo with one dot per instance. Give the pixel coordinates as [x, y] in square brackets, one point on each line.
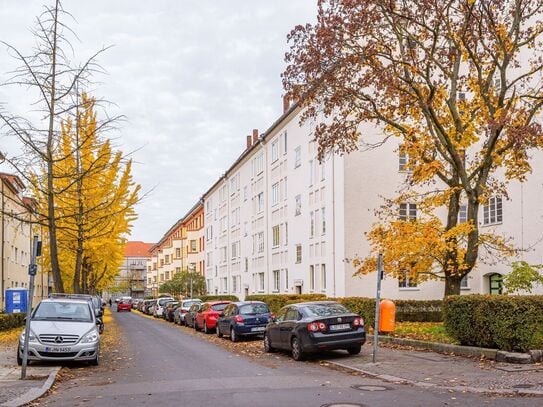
[192, 269]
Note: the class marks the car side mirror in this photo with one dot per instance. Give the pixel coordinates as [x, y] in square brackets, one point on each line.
[99, 313]
[98, 322]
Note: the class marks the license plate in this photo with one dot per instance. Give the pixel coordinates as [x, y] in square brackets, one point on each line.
[258, 329]
[58, 350]
[339, 327]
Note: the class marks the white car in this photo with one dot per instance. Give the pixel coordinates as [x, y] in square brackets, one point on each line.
[158, 308]
[62, 329]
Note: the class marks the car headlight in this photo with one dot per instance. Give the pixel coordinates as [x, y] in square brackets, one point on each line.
[92, 336]
[31, 337]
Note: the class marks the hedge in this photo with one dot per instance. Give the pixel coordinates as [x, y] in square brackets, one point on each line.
[8, 321]
[511, 323]
[206, 298]
[278, 301]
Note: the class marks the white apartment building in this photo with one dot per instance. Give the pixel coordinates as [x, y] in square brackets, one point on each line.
[278, 221]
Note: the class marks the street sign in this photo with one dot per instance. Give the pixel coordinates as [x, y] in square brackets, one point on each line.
[32, 269]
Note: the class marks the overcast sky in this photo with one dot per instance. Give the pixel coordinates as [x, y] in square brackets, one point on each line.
[193, 78]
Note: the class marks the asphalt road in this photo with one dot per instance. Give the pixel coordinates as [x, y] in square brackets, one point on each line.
[159, 364]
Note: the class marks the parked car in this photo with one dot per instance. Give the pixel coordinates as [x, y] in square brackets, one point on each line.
[206, 318]
[145, 305]
[158, 307]
[248, 318]
[315, 326]
[169, 310]
[190, 316]
[94, 301]
[135, 303]
[181, 311]
[62, 329]
[124, 305]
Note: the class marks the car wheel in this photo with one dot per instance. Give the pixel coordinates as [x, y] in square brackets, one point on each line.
[218, 331]
[297, 352]
[101, 329]
[354, 350]
[19, 358]
[234, 337]
[206, 330]
[96, 360]
[267, 344]
[196, 328]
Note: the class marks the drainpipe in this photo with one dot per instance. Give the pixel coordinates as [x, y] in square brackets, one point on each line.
[334, 223]
[266, 214]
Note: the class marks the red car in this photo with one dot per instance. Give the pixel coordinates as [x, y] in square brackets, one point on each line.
[124, 305]
[206, 318]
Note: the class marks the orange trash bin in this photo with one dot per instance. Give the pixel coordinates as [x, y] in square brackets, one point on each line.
[387, 316]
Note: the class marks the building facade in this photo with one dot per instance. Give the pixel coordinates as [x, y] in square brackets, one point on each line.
[16, 233]
[132, 274]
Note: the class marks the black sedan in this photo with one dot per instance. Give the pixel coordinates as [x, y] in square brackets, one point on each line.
[315, 326]
[190, 316]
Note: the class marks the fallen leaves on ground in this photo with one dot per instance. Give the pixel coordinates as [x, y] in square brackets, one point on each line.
[423, 331]
[9, 337]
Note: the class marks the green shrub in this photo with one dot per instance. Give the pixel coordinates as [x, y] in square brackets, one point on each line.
[419, 311]
[511, 323]
[206, 298]
[8, 321]
[278, 301]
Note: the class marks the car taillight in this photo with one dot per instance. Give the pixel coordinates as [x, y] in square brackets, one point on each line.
[358, 322]
[316, 327]
[239, 319]
[183, 311]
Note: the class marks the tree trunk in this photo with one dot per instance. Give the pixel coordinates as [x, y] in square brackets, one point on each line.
[452, 285]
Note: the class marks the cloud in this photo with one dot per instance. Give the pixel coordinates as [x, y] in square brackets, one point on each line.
[192, 78]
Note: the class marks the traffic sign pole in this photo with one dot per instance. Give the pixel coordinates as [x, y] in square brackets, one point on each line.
[32, 270]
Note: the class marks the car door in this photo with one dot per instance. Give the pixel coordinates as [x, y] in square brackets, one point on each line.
[287, 326]
[200, 315]
[272, 330]
[224, 321]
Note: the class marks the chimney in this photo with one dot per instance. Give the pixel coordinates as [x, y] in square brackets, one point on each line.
[255, 135]
[249, 142]
[286, 103]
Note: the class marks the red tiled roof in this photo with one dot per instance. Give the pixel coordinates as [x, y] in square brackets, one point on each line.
[137, 249]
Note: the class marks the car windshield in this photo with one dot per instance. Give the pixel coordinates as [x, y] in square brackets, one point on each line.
[218, 307]
[163, 301]
[324, 310]
[187, 304]
[253, 309]
[62, 311]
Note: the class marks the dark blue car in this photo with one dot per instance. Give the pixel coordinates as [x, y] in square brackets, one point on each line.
[247, 318]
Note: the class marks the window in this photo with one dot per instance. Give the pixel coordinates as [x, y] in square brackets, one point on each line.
[323, 277]
[258, 164]
[312, 278]
[323, 170]
[234, 284]
[463, 214]
[193, 246]
[177, 270]
[276, 236]
[298, 253]
[285, 234]
[276, 280]
[297, 157]
[408, 211]
[235, 250]
[224, 283]
[311, 172]
[246, 264]
[286, 279]
[260, 242]
[275, 151]
[323, 226]
[260, 281]
[235, 218]
[312, 224]
[285, 190]
[403, 160]
[492, 211]
[285, 144]
[407, 281]
[245, 193]
[298, 205]
[260, 202]
[209, 233]
[464, 283]
[275, 193]
[223, 252]
[177, 253]
[166, 259]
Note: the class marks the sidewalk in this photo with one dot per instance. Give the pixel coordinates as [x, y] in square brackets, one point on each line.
[457, 373]
[16, 392]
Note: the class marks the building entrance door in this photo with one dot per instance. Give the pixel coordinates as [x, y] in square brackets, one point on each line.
[496, 285]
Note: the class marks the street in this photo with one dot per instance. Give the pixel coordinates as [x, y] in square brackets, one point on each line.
[147, 361]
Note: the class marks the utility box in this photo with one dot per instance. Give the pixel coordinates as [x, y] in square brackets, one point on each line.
[16, 300]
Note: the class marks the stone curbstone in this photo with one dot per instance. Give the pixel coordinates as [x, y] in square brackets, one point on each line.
[34, 392]
[536, 355]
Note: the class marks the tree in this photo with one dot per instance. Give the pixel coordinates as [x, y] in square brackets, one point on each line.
[54, 78]
[182, 282]
[95, 209]
[523, 277]
[457, 81]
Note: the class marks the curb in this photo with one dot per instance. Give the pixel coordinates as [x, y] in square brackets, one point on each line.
[469, 351]
[34, 392]
[400, 380]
